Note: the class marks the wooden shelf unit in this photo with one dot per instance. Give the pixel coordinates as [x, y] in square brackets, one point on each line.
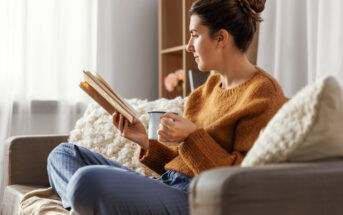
[173, 38]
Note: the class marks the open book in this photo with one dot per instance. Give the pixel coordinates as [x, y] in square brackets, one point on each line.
[104, 95]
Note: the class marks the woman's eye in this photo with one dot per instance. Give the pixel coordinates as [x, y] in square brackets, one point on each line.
[192, 35]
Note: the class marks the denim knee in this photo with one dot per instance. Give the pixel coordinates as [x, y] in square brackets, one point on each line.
[84, 189]
[59, 150]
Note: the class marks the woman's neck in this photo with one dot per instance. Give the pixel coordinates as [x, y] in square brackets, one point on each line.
[236, 71]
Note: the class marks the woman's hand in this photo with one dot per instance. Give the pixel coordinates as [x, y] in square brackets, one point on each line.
[175, 130]
[134, 131]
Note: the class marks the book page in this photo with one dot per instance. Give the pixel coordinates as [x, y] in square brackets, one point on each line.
[106, 94]
[97, 97]
[120, 100]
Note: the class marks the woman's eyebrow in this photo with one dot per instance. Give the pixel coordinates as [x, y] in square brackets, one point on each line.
[192, 30]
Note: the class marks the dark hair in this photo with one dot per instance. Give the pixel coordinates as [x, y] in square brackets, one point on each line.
[238, 17]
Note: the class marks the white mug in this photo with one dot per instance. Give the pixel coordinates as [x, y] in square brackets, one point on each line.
[154, 123]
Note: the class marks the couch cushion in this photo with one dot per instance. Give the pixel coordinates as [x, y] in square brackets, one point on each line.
[308, 127]
[12, 197]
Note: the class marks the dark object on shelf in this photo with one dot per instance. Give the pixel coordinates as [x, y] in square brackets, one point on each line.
[197, 78]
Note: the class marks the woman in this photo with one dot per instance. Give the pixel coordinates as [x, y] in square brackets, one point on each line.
[222, 119]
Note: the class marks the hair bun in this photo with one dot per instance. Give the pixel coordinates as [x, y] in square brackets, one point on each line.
[257, 5]
[252, 8]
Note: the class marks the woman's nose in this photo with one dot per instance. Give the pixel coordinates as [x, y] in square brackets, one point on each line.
[190, 47]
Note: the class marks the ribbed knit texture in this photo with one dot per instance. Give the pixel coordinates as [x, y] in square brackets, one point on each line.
[229, 122]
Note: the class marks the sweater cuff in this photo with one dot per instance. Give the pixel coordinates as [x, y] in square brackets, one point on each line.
[156, 156]
[202, 152]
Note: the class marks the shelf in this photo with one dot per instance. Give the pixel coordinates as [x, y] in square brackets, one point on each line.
[173, 49]
[173, 39]
[170, 63]
[170, 23]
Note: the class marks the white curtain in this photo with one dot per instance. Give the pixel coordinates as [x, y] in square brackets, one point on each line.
[44, 46]
[300, 41]
[128, 45]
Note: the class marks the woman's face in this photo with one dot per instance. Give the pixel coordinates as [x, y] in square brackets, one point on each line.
[202, 45]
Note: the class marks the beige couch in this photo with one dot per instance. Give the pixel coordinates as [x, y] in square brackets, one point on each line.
[299, 188]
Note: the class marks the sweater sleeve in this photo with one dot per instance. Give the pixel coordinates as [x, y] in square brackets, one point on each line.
[245, 137]
[157, 156]
[201, 152]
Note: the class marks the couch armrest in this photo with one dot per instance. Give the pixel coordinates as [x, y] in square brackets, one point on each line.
[27, 158]
[298, 188]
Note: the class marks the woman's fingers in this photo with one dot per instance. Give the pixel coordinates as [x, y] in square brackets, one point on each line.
[166, 127]
[171, 116]
[162, 138]
[166, 135]
[166, 130]
[114, 118]
[167, 122]
[121, 124]
[126, 124]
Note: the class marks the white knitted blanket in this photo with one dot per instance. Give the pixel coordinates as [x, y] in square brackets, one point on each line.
[96, 132]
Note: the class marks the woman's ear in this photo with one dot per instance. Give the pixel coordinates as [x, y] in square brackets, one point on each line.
[223, 38]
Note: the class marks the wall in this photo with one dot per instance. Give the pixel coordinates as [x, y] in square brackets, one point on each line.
[128, 45]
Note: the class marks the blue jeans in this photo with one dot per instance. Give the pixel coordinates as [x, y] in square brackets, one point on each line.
[91, 184]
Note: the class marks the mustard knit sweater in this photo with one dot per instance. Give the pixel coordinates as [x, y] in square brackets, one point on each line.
[229, 122]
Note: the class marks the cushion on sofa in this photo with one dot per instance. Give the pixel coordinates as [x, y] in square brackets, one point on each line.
[95, 131]
[308, 127]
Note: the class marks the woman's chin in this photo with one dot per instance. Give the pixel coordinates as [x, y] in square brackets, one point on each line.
[202, 68]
